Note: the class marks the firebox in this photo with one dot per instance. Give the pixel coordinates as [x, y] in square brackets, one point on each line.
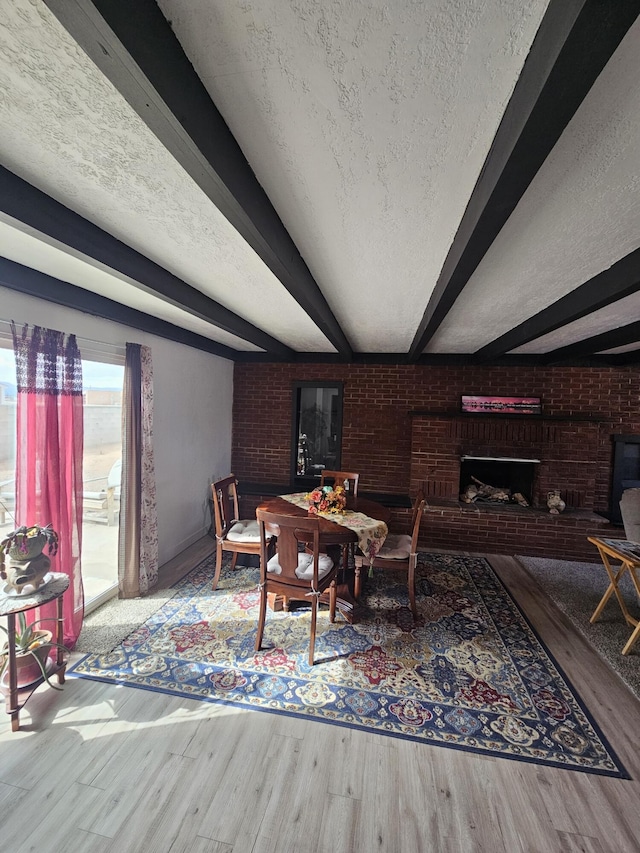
[514, 476]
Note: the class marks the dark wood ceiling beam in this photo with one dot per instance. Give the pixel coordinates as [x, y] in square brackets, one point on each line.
[25, 203]
[620, 280]
[619, 337]
[136, 49]
[435, 359]
[574, 42]
[23, 279]
[625, 359]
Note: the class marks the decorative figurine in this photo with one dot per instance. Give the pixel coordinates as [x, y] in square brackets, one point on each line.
[24, 547]
[23, 572]
[554, 502]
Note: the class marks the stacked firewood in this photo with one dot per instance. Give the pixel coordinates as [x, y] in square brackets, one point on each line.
[479, 491]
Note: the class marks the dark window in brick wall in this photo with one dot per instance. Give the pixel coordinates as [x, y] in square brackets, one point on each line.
[316, 431]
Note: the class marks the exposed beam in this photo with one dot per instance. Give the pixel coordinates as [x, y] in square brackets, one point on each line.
[29, 205]
[23, 279]
[432, 359]
[620, 280]
[575, 41]
[135, 47]
[619, 337]
[626, 359]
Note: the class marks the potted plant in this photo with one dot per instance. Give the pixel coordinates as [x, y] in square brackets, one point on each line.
[29, 564]
[27, 542]
[32, 648]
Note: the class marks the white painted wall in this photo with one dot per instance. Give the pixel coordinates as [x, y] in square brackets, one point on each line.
[193, 398]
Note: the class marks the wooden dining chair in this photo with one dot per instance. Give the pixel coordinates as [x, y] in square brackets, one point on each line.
[233, 534]
[340, 478]
[296, 575]
[399, 553]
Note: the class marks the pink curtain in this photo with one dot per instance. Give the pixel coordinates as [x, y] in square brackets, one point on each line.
[49, 454]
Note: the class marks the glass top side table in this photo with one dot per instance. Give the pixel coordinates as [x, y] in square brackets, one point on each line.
[52, 590]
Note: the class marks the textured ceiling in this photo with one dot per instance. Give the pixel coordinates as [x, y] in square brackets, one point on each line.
[367, 125]
[580, 215]
[354, 180]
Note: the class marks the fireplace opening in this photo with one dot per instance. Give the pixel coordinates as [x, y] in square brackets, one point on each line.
[505, 480]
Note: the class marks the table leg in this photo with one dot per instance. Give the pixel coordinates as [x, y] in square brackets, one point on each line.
[12, 696]
[347, 594]
[346, 600]
[59, 639]
[614, 578]
[275, 602]
[632, 639]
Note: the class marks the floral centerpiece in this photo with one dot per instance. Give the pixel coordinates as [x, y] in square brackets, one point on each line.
[327, 499]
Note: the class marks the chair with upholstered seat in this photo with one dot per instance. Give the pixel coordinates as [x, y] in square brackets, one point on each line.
[340, 478]
[297, 575]
[233, 534]
[399, 553]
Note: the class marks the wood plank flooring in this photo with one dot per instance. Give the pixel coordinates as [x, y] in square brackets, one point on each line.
[100, 768]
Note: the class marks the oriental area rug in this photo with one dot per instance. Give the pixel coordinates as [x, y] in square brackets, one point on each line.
[469, 674]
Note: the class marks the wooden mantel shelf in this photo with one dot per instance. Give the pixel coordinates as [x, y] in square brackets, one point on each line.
[473, 416]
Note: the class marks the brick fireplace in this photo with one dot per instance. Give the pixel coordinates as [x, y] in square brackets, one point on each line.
[539, 455]
[562, 453]
[402, 430]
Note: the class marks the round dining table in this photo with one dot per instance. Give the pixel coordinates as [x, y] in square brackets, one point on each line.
[334, 537]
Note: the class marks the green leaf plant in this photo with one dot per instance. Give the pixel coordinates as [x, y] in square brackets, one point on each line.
[28, 639]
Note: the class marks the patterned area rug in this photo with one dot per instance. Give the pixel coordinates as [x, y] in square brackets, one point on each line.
[469, 674]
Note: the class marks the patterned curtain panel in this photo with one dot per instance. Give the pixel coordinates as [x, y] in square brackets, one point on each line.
[138, 538]
[49, 454]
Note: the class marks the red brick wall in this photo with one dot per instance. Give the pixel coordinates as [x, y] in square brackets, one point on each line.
[378, 433]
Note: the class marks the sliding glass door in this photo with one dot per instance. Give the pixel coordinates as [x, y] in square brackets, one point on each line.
[102, 392]
[102, 397]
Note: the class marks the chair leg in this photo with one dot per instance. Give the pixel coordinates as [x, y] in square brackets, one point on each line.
[412, 588]
[216, 577]
[234, 560]
[357, 582]
[333, 596]
[261, 618]
[314, 618]
[346, 552]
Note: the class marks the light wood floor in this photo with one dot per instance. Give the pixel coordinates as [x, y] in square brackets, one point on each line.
[105, 768]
